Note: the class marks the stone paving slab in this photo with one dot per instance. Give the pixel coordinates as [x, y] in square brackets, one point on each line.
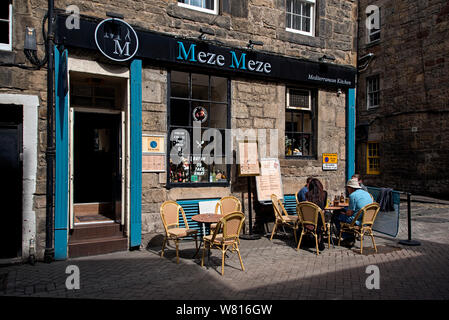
[274, 270]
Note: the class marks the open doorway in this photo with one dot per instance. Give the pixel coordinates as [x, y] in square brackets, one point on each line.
[97, 149]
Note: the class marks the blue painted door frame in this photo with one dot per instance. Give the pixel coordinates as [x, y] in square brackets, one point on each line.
[350, 133]
[62, 155]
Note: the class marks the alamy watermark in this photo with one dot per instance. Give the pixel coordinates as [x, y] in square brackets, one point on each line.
[373, 280]
[73, 20]
[73, 280]
[372, 21]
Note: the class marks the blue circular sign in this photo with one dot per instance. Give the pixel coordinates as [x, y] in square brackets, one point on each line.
[153, 144]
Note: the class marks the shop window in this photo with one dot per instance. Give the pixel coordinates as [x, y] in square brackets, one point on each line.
[373, 158]
[6, 25]
[300, 16]
[198, 118]
[299, 124]
[208, 6]
[373, 92]
[374, 31]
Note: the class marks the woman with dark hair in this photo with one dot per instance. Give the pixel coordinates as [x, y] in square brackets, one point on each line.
[318, 196]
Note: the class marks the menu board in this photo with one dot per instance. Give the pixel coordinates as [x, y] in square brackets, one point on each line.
[248, 157]
[153, 163]
[269, 182]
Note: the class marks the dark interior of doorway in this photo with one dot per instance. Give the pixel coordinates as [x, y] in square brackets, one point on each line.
[11, 180]
[97, 187]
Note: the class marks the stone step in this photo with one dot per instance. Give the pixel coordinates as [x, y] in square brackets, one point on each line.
[95, 231]
[97, 246]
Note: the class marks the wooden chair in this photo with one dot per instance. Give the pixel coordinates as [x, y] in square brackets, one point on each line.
[225, 206]
[368, 214]
[282, 217]
[309, 214]
[170, 219]
[231, 226]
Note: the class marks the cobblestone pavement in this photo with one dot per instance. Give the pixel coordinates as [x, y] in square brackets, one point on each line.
[273, 270]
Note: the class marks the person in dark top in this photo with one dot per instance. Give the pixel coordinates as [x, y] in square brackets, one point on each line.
[317, 195]
[303, 191]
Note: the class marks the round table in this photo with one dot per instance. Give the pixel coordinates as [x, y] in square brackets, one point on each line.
[205, 218]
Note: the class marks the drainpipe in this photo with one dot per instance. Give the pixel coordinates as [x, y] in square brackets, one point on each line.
[50, 152]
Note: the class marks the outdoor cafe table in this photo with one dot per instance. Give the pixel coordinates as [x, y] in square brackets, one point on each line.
[205, 218]
[332, 209]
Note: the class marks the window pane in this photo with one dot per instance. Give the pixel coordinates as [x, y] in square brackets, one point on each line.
[289, 21]
[179, 84]
[306, 8]
[305, 24]
[219, 89]
[289, 6]
[179, 113]
[4, 32]
[200, 86]
[218, 116]
[4, 10]
[297, 7]
[296, 23]
[210, 4]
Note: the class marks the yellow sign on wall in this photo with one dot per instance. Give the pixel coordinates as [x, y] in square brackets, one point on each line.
[330, 161]
[153, 144]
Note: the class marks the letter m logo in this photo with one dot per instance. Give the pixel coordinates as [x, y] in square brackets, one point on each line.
[119, 50]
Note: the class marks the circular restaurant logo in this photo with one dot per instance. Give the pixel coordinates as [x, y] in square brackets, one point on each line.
[116, 39]
[200, 114]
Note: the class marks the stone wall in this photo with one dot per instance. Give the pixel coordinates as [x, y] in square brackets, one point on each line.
[412, 61]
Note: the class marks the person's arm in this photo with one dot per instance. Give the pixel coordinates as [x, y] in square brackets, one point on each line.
[351, 207]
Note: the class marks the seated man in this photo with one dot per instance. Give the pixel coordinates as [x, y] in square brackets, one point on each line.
[358, 198]
[304, 190]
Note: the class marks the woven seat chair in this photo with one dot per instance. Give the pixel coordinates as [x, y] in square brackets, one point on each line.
[228, 239]
[368, 214]
[282, 217]
[309, 214]
[170, 219]
[225, 206]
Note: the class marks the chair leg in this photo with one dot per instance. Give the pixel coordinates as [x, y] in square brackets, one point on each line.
[177, 251]
[294, 233]
[361, 242]
[163, 246]
[223, 256]
[329, 237]
[339, 237]
[300, 239]
[240, 258]
[274, 230]
[374, 242]
[316, 244]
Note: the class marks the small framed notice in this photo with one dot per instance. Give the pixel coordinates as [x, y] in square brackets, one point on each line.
[330, 161]
[248, 157]
[153, 153]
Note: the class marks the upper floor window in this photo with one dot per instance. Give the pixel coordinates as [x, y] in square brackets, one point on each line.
[6, 25]
[374, 25]
[300, 128]
[301, 16]
[373, 92]
[208, 6]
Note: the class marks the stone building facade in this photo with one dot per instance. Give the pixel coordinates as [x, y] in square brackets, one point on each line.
[253, 101]
[406, 82]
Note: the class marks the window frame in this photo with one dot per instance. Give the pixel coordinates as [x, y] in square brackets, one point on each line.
[170, 184]
[313, 96]
[201, 9]
[8, 46]
[312, 19]
[375, 171]
[368, 92]
[370, 32]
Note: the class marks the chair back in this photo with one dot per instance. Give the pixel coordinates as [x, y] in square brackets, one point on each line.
[170, 214]
[228, 205]
[370, 212]
[309, 212]
[231, 225]
[277, 209]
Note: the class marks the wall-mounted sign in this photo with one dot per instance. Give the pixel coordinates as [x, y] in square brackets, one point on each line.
[199, 114]
[248, 156]
[270, 181]
[153, 153]
[116, 39]
[153, 163]
[330, 161]
[153, 143]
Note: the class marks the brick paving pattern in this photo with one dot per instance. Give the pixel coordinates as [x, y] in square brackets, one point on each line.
[274, 270]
